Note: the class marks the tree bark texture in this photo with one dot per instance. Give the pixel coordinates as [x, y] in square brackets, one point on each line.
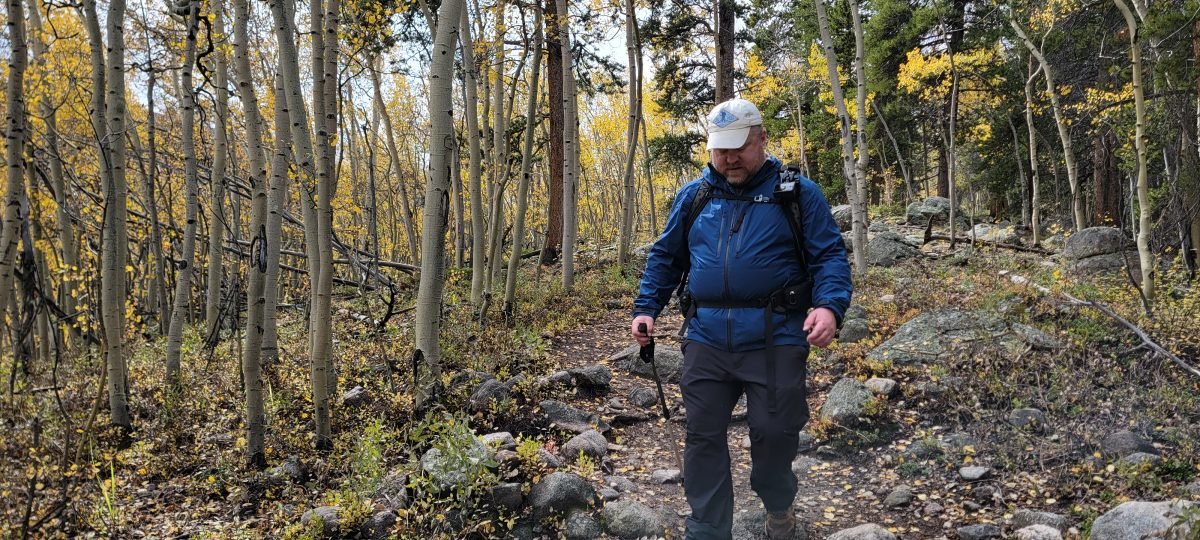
[554, 94]
[531, 109]
[437, 202]
[183, 276]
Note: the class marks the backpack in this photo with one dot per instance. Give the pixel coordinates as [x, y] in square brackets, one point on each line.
[787, 195]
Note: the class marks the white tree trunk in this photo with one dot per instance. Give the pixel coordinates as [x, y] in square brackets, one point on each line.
[183, 276]
[437, 202]
[116, 238]
[570, 150]
[217, 223]
[256, 304]
[531, 109]
[471, 91]
[1145, 257]
[839, 100]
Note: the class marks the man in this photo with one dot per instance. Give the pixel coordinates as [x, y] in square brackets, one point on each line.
[743, 262]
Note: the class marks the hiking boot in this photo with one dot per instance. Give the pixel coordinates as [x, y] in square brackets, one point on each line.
[781, 525]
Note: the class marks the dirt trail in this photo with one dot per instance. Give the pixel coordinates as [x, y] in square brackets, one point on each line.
[836, 491]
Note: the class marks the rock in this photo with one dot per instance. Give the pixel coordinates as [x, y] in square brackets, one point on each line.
[806, 442]
[222, 440]
[631, 519]
[887, 299]
[626, 418]
[878, 226]
[1136, 520]
[854, 331]
[580, 525]
[289, 470]
[918, 213]
[870, 531]
[558, 378]
[1038, 532]
[973, 473]
[469, 378]
[392, 492]
[841, 216]
[1137, 459]
[845, 402]
[984, 494]
[328, 517]
[881, 386]
[888, 249]
[1123, 443]
[620, 483]
[515, 380]
[549, 460]
[1028, 418]
[667, 358]
[982, 531]
[560, 492]
[590, 442]
[855, 311]
[803, 464]
[508, 496]
[447, 471]
[1193, 489]
[959, 441]
[666, 476]
[932, 509]
[608, 494]
[488, 392]
[355, 397]
[972, 506]
[932, 335]
[378, 526]
[1094, 241]
[1024, 518]
[998, 233]
[1054, 243]
[643, 397]
[563, 416]
[901, 496]
[1098, 250]
[752, 525]
[592, 381]
[501, 440]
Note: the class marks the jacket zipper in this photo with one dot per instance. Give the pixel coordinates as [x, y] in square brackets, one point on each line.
[725, 273]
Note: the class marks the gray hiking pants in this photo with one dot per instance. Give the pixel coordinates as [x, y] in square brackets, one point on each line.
[712, 382]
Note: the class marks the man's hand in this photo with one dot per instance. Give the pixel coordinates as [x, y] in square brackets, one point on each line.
[642, 339]
[821, 325]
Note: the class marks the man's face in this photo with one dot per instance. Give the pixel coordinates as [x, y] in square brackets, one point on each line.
[737, 165]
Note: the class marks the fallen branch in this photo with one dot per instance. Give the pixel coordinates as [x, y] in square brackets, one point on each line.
[1028, 249]
[1141, 333]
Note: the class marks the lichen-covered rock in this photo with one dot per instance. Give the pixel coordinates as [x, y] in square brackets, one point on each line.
[845, 402]
[631, 519]
[1136, 520]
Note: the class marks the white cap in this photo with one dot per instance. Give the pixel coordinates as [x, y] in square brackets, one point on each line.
[729, 123]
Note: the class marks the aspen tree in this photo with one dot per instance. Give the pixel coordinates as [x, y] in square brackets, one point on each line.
[217, 222]
[1133, 21]
[531, 110]
[437, 202]
[183, 276]
[257, 269]
[570, 149]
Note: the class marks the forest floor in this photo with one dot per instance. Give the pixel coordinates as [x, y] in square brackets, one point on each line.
[185, 474]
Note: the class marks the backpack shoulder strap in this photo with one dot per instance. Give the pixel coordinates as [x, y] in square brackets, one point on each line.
[699, 201]
[788, 196]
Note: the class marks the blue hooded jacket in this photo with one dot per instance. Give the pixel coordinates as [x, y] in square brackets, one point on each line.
[753, 259]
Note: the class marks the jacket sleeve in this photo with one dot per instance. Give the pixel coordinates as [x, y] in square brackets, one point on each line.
[668, 258]
[828, 264]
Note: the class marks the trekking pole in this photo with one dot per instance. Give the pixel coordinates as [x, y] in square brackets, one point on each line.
[647, 355]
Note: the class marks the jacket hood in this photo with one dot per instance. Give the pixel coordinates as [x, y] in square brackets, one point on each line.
[769, 169]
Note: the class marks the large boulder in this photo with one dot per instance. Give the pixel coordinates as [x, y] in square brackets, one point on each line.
[667, 358]
[487, 393]
[1000, 233]
[1124, 443]
[1101, 250]
[930, 336]
[447, 471]
[938, 208]
[631, 519]
[870, 531]
[842, 216]
[560, 492]
[566, 417]
[888, 249]
[846, 402]
[592, 381]
[591, 443]
[1136, 520]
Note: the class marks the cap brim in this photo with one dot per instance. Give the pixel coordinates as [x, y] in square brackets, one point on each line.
[728, 139]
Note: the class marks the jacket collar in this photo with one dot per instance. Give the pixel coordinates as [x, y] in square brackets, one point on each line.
[769, 170]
